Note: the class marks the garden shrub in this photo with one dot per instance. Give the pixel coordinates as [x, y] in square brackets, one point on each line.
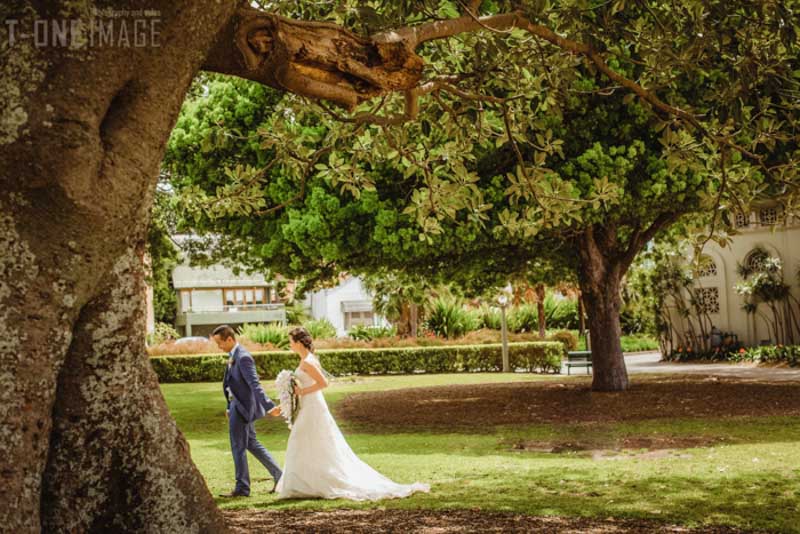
[523, 318]
[320, 328]
[162, 333]
[450, 319]
[541, 356]
[773, 354]
[275, 334]
[567, 338]
[369, 333]
[490, 317]
[560, 313]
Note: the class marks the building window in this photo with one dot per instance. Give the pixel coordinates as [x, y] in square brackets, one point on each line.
[358, 318]
[768, 216]
[707, 267]
[708, 299]
[741, 220]
[245, 297]
[756, 260]
[186, 300]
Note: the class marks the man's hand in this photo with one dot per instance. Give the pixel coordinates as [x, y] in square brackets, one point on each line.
[275, 412]
[227, 414]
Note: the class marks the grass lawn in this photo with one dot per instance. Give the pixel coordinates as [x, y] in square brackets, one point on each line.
[749, 478]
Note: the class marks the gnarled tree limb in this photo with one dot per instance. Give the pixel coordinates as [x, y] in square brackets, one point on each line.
[324, 61]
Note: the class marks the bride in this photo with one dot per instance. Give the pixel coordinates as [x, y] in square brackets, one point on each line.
[319, 462]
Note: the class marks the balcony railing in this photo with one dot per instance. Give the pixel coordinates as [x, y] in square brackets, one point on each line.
[234, 308]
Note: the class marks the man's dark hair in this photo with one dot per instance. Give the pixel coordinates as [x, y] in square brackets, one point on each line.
[224, 332]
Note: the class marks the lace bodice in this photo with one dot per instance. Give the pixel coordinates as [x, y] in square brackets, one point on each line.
[303, 377]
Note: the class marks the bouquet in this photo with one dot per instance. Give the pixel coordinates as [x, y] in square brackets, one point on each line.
[289, 402]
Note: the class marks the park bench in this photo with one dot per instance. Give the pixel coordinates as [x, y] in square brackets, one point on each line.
[579, 358]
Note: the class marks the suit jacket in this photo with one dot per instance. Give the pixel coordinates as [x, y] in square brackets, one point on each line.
[246, 396]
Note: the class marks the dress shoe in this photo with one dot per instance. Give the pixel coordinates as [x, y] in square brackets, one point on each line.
[234, 494]
[274, 487]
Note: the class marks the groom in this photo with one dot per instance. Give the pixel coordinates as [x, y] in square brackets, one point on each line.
[246, 403]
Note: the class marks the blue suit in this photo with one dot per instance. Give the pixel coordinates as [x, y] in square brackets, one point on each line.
[247, 402]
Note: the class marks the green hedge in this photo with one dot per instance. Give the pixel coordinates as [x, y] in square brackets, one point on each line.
[542, 356]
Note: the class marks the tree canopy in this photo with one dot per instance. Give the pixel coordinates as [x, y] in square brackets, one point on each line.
[517, 144]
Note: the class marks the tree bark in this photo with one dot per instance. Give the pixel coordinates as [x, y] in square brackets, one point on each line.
[117, 460]
[86, 441]
[414, 319]
[540, 295]
[600, 274]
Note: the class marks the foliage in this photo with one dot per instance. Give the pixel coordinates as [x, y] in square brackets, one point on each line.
[548, 157]
[543, 356]
[449, 318]
[639, 302]
[490, 317]
[368, 333]
[568, 339]
[523, 318]
[769, 354]
[163, 332]
[399, 297]
[664, 282]
[320, 328]
[296, 313]
[589, 155]
[561, 313]
[762, 283]
[163, 257]
[638, 343]
[274, 334]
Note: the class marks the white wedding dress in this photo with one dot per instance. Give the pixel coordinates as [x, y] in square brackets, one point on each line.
[320, 463]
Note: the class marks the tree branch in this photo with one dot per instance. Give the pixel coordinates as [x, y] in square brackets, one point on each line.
[640, 238]
[310, 162]
[326, 62]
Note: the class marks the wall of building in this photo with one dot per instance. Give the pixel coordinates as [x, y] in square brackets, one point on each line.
[781, 241]
[330, 303]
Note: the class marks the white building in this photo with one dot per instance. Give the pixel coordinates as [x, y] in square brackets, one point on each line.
[211, 296]
[765, 228]
[345, 306]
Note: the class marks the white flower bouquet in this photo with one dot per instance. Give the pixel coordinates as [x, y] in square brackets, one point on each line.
[289, 402]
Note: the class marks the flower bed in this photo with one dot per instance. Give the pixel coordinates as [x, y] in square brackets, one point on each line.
[772, 354]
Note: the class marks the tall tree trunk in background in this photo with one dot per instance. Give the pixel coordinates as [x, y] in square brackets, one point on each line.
[603, 262]
[86, 441]
[403, 324]
[600, 275]
[540, 295]
[414, 319]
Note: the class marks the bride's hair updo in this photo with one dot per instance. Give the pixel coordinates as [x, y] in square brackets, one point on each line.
[301, 335]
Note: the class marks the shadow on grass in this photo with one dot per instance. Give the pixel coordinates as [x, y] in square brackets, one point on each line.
[757, 502]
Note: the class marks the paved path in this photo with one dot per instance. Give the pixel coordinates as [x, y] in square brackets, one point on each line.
[649, 362]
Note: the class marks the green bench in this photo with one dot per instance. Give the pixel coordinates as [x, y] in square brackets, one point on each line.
[579, 358]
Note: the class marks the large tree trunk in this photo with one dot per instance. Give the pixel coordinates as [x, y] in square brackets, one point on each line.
[603, 261]
[86, 441]
[600, 273]
[117, 460]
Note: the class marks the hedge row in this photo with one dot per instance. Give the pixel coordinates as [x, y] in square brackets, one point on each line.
[542, 356]
[789, 354]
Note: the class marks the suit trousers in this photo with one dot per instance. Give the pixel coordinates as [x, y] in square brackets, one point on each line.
[243, 439]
